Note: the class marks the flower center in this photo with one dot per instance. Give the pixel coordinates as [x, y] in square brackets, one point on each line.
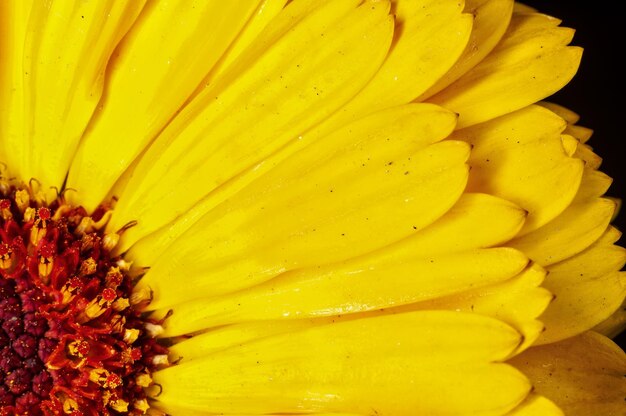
[71, 340]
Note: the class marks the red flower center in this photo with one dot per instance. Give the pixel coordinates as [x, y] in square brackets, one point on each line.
[71, 342]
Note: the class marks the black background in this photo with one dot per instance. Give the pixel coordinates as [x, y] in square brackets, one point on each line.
[596, 92]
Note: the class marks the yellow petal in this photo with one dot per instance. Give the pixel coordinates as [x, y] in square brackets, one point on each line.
[582, 375]
[491, 19]
[69, 43]
[156, 68]
[430, 37]
[614, 324]
[518, 301]
[522, 8]
[570, 144]
[373, 282]
[520, 157]
[570, 233]
[333, 212]
[397, 131]
[462, 227]
[446, 369]
[265, 12]
[563, 112]
[13, 26]
[319, 194]
[588, 288]
[287, 83]
[594, 184]
[583, 134]
[536, 405]
[530, 63]
[585, 153]
[217, 339]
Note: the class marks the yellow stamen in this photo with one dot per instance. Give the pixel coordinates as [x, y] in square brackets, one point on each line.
[141, 405]
[61, 211]
[45, 267]
[131, 335]
[119, 405]
[29, 214]
[113, 277]
[88, 267]
[154, 330]
[38, 232]
[22, 200]
[118, 322]
[120, 304]
[6, 259]
[97, 306]
[141, 296]
[110, 241]
[69, 406]
[143, 380]
[161, 359]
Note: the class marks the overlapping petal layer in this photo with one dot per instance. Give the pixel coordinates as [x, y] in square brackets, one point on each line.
[293, 76]
[583, 375]
[319, 207]
[323, 369]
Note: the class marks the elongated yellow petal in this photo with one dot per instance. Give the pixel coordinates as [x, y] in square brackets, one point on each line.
[156, 68]
[594, 184]
[459, 229]
[585, 153]
[442, 17]
[430, 37]
[518, 301]
[13, 26]
[265, 12]
[491, 18]
[520, 157]
[448, 370]
[530, 63]
[536, 405]
[393, 133]
[217, 339]
[522, 8]
[581, 133]
[563, 112]
[326, 215]
[462, 228]
[588, 288]
[69, 44]
[373, 282]
[614, 324]
[583, 375]
[298, 80]
[570, 233]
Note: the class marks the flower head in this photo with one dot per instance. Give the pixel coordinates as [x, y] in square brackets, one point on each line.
[300, 207]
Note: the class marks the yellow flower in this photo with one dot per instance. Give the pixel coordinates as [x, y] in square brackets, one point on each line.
[341, 207]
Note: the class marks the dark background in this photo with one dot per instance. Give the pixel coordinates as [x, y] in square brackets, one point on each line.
[596, 93]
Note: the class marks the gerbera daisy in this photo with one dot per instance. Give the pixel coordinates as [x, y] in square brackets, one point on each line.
[340, 207]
